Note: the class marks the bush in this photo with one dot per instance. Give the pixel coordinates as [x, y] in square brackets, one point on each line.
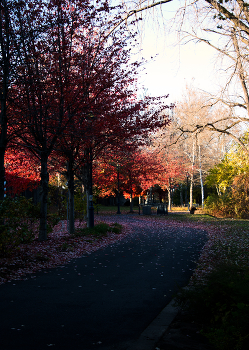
[100, 229]
[240, 193]
[18, 216]
[116, 228]
[220, 206]
[222, 305]
[234, 202]
[52, 220]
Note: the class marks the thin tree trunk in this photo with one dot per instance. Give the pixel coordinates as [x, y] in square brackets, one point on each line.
[87, 208]
[169, 196]
[90, 182]
[181, 196]
[169, 199]
[131, 201]
[44, 197]
[201, 179]
[242, 73]
[131, 193]
[3, 144]
[192, 175]
[84, 177]
[2, 172]
[70, 182]
[186, 194]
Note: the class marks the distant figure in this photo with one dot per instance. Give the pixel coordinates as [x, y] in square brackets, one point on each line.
[192, 210]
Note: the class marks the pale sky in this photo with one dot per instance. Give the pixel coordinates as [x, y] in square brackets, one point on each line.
[172, 70]
[175, 66]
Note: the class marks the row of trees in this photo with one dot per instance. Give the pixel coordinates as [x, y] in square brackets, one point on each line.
[204, 124]
[140, 171]
[69, 98]
[68, 91]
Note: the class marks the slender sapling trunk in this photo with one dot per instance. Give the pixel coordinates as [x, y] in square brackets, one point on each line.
[44, 197]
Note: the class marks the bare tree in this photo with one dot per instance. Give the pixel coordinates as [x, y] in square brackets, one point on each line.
[223, 26]
[189, 135]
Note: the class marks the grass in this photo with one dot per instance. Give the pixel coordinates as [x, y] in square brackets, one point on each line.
[222, 306]
[220, 301]
[99, 230]
[181, 214]
[204, 218]
[102, 209]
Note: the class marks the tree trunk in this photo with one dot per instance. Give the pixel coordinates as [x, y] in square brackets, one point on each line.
[3, 144]
[186, 194]
[131, 202]
[201, 180]
[241, 71]
[181, 196]
[70, 183]
[191, 191]
[90, 182]
[44, 197]
[192, 174]
[169, 199]
[84, 177]
[2, 172]
[169, 196]
[2, 178]
[4, 72]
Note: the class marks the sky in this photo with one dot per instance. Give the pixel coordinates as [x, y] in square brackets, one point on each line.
[175, 66]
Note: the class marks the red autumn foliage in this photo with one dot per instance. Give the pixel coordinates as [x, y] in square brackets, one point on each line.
[22, 171]
[138, 171]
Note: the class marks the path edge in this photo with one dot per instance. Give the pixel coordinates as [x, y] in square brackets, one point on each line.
[151, 335]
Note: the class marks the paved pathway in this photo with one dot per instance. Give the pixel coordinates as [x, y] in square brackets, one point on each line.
[103, 300]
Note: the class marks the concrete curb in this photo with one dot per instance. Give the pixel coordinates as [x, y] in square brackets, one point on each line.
[151, 335]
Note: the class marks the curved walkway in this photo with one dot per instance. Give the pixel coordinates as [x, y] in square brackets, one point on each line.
[103, 300]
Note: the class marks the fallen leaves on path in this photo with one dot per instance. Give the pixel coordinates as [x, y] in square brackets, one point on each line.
[61, 247]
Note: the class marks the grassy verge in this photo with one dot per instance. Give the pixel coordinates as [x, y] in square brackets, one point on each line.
[202, 217]
[99, 230]
[218, 296]
[113, 209]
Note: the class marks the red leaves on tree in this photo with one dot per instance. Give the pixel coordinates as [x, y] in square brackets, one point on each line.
[22, 171]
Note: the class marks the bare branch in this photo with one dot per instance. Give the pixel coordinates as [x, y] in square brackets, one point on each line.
[229, 15]
[209, 43]
[241, 69]
[135, 11]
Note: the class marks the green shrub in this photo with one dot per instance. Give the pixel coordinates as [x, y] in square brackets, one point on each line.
[116, 228]
[221, 206]
[99, 230]
[240, 193]
[52, 220]
[234, 202]
[18, 216]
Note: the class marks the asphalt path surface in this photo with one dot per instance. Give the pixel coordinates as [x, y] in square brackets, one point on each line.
[105, 299]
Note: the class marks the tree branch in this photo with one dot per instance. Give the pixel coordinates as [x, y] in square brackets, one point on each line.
[133, 12]
[229, 15]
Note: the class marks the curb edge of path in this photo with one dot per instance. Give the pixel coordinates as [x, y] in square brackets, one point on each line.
[151, 335]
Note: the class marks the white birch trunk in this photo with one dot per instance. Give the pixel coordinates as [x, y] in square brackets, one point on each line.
[201, 179]
[192, 175]
[169, 196]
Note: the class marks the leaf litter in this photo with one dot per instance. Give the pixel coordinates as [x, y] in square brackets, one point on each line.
[37, 256]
